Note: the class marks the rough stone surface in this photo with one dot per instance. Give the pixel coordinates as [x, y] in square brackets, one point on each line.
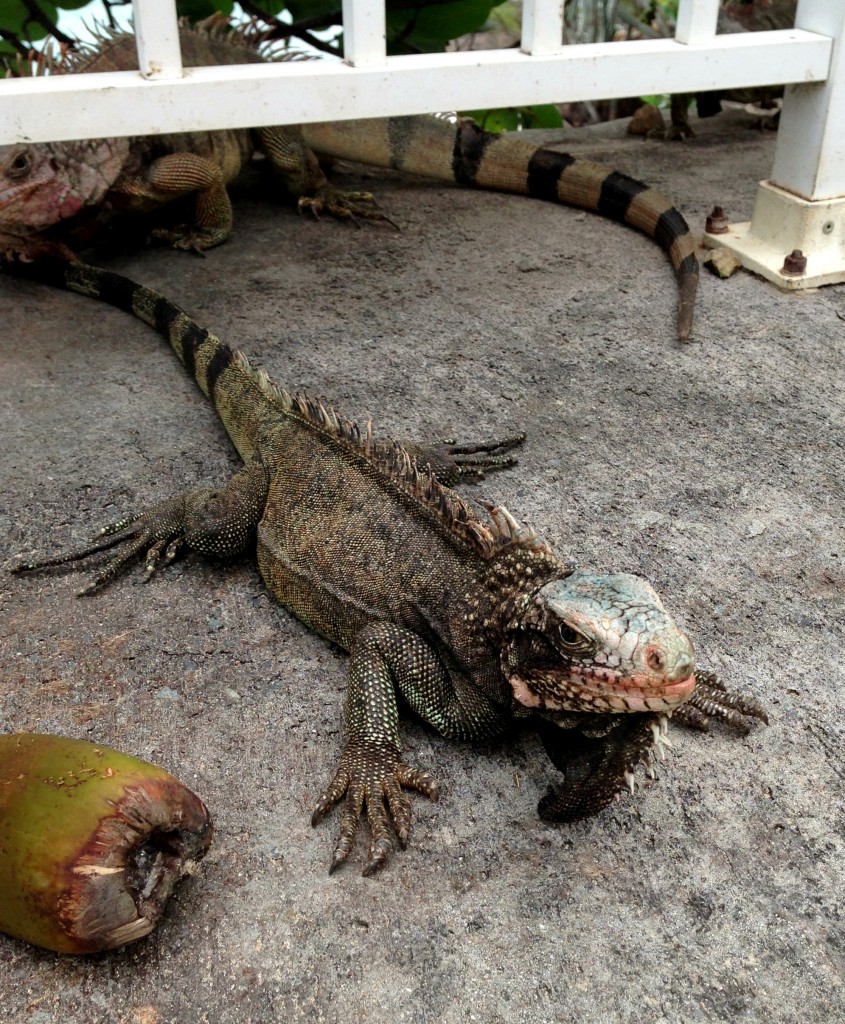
[713, 468]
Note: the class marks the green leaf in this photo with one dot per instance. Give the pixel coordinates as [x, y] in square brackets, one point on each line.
[511, 119]
[7, 53]
[196, 10]
[503, 120]
[544, 115]
[16, 18]
[273, 7]
[302, 9]
[427, 29]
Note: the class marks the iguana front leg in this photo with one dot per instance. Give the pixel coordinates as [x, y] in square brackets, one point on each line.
[217, 523]
[175, 175]
[597, 758]
[385, 658]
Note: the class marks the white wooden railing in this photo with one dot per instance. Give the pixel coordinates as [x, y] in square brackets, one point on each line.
[809, 166]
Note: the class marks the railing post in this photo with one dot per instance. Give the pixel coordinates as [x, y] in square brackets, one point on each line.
[802, 206]
[810, 155]
[157, 38]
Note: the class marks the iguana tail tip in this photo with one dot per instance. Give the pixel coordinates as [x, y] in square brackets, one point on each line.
[687, 288]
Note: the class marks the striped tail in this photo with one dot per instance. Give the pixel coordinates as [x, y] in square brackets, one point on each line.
[222, 374]
[465, 153]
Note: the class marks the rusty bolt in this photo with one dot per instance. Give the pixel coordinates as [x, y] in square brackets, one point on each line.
[795, 264]
[717, 222]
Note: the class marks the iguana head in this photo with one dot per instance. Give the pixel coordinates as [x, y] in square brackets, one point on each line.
[44, 183]
[598, 644]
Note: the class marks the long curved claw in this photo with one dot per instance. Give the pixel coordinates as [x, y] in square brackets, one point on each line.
[370, 776]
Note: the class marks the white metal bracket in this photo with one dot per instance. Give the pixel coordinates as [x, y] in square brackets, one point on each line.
[781, 223]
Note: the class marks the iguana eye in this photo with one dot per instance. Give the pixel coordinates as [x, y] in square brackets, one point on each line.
[19, 166]
[570, 638]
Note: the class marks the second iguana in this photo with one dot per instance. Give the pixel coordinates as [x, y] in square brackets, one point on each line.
[465, 614]
[43, 185]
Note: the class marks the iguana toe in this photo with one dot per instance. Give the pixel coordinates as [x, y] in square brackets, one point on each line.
[712, 699]
[453, 463]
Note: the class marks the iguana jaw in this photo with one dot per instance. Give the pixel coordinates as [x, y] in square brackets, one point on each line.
[582, 691]
[598, 644]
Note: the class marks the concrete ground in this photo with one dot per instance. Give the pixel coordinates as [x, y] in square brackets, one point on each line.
[715, 469]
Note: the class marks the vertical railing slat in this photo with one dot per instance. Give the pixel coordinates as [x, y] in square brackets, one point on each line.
[364, 33]
[542, 27]
[697, 21]
[157, 38]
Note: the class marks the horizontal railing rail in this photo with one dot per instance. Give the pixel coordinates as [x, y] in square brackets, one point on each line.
[166, 97]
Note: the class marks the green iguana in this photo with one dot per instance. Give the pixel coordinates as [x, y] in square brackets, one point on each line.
[467, 615]
[42, 185]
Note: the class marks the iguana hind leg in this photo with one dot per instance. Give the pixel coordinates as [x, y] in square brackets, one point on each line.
[217, 523]
[452, 463]
[304, 178]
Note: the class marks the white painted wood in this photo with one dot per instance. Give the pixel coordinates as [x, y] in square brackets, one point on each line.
[364, 33]
[696, 22]
[157, 33]
[542, 27]
[810, 154]
[122, 103]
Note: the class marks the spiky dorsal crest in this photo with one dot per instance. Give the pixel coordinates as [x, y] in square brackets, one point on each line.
[49, 60]
[116, 45]
[489, 537]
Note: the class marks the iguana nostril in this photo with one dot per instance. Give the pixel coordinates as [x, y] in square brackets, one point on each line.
[656, 660]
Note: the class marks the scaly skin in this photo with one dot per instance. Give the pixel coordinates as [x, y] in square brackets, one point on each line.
[464, 613]
[46, 184]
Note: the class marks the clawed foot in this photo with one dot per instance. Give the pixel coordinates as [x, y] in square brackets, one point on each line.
[343, 205]
[190, 238]
[220, 523]
[158, 532]
[679, 132]
[712, 699]
[371, 776]
[451, 462]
